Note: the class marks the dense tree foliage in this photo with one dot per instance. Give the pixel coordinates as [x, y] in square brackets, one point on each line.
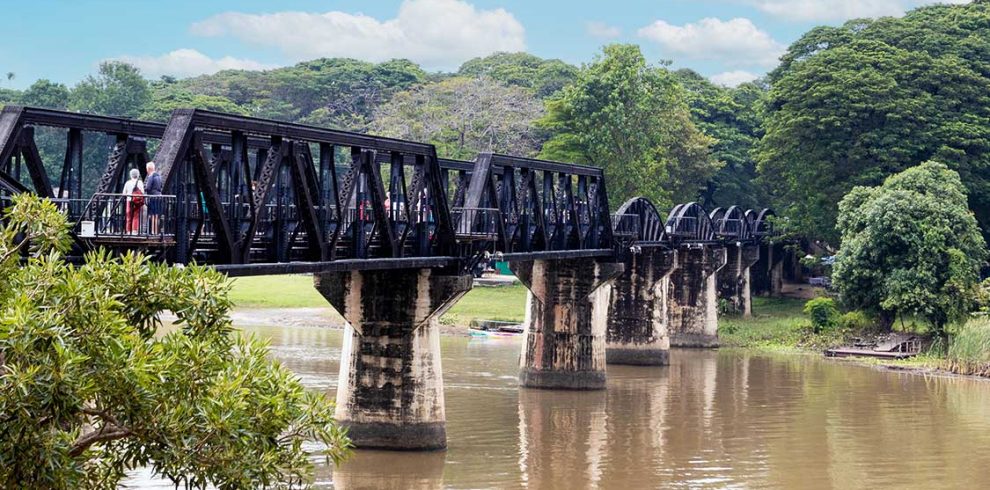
[631, 119]
[729, 116]
[910, 246]
[92, 385]
[463, 116]
[336, 92]
[45, 93]
[167, 97]
[544, 77]
[851, 105]
[118, 90]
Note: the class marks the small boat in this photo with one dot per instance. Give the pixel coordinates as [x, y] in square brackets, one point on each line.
[493, 329]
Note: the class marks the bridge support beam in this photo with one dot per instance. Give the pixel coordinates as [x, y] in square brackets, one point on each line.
[693, 298]
[637, 320]
[734, 280]
[768, 273]
[564, 346]
[390, 392]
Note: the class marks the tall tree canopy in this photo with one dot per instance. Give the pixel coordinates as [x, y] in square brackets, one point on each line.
[544, 77]
[729, 116]
[92, 385]
[853, 104]
[45, 93]
[336, 92]
[463, 116]
[118, 90]
[631, 119]
[910, 246]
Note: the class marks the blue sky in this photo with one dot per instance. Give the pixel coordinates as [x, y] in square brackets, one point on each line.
[728, 40]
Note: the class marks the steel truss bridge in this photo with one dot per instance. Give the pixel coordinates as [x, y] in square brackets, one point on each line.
[254, 196]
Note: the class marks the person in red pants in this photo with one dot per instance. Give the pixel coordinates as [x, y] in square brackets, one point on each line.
[134, 195]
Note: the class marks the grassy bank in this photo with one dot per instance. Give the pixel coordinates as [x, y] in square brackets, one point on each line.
[777, 323]
[506, 303]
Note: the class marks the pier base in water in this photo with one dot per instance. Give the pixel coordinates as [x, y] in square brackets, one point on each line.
[390, 392]
[564, 345]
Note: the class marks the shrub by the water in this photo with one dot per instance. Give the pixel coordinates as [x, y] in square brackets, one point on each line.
[823, 313]
[969, 351]
[855, 321]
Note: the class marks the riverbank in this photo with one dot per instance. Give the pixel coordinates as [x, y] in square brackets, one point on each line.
[777, 324]
[292, 300]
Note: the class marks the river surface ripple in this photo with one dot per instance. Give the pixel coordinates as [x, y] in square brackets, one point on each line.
[722, 419]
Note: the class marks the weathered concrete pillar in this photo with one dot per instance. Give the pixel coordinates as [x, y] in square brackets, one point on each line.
[776, 269]
[693, 299]
[637, 319]
[734, 278]
[564, 346]
[390, 392]
[767, 275]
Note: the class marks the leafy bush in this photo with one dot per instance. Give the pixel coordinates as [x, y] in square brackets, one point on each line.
[855, 321]
[91, 385]
[823, 313]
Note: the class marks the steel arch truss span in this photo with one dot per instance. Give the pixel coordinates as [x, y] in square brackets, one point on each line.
[731, 223]
[689, 222]
[638, 221]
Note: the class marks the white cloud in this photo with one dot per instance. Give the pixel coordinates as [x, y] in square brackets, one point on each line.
[189, 62]
[602, 30]
[735, 42]
[439, 34]
[825, 10]
[733, 78]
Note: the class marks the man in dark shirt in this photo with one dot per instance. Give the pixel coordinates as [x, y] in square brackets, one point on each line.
[153, 189]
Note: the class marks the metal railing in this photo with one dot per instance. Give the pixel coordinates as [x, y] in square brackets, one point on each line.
[625, 225]
[475, 222]
[122, 216]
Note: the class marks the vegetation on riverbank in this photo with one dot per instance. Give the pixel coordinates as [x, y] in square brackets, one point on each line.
[507, 303]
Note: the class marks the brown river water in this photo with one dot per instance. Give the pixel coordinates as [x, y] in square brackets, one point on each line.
[712, 419]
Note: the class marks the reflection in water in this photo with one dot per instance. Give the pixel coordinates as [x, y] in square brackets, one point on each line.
[712, 418]
[412, 470]
[561, 437]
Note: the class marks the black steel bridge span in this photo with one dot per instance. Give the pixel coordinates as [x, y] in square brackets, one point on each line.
[254, 196]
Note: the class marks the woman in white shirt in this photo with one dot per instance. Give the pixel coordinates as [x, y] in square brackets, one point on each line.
[134, 190]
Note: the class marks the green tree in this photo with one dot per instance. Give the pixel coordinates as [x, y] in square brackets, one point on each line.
[92, 385]
[118, 90]
[851, 105]
[544, 77]
[631, 119]
[164, 101]
[910, 246]
[463, 116]
[45, 93]
[335, 92]
[729, 116]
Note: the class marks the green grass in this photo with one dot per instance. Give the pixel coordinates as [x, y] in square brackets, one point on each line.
[776, 323]
[295, 291]
[969, 351]
[506, 303]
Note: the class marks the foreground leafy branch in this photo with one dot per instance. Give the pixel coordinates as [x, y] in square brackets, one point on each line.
[93, 385]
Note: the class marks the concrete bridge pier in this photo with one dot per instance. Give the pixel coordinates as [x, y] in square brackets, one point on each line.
[637, 321]
[693, 298]
[390, 392]
[768, 273]
[734, 280]
[564, 346]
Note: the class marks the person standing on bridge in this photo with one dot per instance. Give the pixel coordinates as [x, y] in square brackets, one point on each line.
[153, 186]
[134, 192]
